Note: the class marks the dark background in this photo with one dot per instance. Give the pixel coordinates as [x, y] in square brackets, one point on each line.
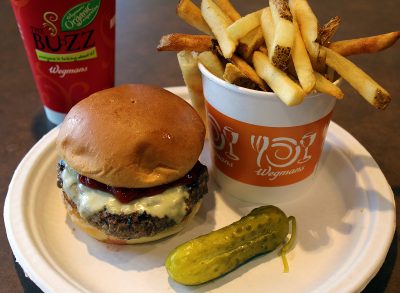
[139, 27]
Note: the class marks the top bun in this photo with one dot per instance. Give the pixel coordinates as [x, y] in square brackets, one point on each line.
[132, 136]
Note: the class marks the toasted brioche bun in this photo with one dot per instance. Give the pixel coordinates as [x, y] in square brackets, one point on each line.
[132, 136]
[101, 236]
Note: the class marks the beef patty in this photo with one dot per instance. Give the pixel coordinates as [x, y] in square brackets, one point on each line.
[140, 224]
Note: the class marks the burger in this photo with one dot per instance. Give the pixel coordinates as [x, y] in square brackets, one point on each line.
[129, 170]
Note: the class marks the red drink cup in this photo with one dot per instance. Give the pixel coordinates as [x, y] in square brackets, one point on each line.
[70, 45]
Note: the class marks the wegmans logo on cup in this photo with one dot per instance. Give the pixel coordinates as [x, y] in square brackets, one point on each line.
[262, 155]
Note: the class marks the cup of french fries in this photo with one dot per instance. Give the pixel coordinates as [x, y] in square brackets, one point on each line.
[260, 146]
[266, 84]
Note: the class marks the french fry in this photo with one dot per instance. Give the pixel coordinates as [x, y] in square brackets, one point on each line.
[284, 33]
[323, 85]
[212, 63]
[268, 28]
[321, 61]
[192, 77]
[184, 42]
[218, 22]
[286, 89]
[248, 71]
[365, 45]
[308, 25]
[326, 32]
[244, 25]
[302, 63]
[227, 7]
[234, 75]
[252, 41]
[358, 79]
[191, 14]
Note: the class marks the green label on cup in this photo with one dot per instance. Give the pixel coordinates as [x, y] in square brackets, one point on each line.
[80, 15]
[71, 57]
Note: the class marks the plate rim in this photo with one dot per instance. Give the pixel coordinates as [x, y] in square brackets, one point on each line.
[335, 133]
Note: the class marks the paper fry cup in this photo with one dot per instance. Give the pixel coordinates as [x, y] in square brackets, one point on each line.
[262, 150]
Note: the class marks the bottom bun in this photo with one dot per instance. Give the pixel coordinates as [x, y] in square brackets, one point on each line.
[101, 236]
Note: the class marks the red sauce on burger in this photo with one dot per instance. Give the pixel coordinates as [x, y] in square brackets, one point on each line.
[126, 195]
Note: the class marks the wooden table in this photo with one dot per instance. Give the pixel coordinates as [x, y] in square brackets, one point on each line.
[139, 27]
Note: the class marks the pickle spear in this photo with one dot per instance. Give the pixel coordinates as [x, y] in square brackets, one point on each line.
[212, 255]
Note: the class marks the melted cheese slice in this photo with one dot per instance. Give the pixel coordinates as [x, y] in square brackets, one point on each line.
[170, 203]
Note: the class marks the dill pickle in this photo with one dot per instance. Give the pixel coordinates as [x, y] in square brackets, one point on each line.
[219, 252]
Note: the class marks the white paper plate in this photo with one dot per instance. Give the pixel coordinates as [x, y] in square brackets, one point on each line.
[346, 223]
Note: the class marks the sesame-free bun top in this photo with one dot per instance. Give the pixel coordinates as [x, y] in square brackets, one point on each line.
[133, 135]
